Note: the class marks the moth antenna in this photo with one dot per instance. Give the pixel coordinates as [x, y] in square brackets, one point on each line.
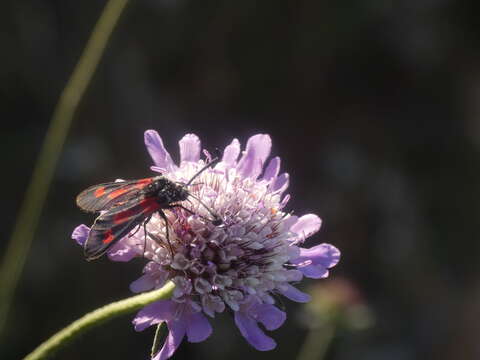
[216, 219]
[215, 160]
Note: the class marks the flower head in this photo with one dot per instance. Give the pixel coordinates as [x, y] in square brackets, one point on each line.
[239, 265]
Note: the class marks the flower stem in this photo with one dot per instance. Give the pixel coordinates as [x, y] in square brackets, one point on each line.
[98, 317]
[317, 342]
[30, 210]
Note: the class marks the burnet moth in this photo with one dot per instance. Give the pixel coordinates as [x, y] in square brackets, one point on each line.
[125, 205]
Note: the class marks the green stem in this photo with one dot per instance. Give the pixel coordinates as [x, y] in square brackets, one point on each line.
[98, 317]
[31, 208]
[317, 342]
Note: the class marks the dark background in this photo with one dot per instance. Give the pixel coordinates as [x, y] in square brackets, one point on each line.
[372, 105]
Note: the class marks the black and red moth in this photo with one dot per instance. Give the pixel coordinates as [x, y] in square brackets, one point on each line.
[125, 205]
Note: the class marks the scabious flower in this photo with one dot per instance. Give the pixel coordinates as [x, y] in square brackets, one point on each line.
[237, 266]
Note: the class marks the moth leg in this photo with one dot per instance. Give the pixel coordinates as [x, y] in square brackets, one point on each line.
[145, 234]
[164, 217]
[136, 230]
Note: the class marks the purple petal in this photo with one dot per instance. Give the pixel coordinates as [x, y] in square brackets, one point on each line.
[281, 183]
[314, 271]
[256, 153]
[153, 314]
[143, 283]
[272, 169]
[158, 169]
[270, 316]
[294, 275]
[177, 329]
[294, 294]
[122, 251]
[252, 333]
[306, 226]
[315, 262]
[231, 152]
[189, 148]
[157, 151]
[284, 201]
[324, 254]
[198, 328]
[293, 252]
[80, 234]
[289, 221]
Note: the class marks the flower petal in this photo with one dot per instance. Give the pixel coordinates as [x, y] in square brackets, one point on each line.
[294, 294]
[324, 254]
[80, 234]
[153, 314]
[281, 183]
[198, 327]
[272, 169]
[294, 275]
[177, 329]
[252, 333]
[231, 152]
[143, 283]
[293, 252]
[157, 151]
[157, 169]
[255, 155]
[122, 251]
[315, 262]
[269, 315]
[284, 201]
[306, 226]
[289, 221]
[189, 148]
[314, 271]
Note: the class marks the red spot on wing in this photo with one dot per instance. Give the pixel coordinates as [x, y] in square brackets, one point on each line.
[143, 182]
[99, 192]
[108, 237]
[124, 215]
[149, 204]
[139, 184]
[145, 207]
[118, 192]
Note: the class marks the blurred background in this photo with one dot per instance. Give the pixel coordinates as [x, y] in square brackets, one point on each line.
[373, 106]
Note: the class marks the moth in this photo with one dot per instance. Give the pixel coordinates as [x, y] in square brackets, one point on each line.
[125, 205]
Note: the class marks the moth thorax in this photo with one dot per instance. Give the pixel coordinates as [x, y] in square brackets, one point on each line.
[180, 193]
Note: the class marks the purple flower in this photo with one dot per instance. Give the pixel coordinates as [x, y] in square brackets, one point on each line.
[238, 265]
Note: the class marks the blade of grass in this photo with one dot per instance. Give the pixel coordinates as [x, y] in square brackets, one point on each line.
[36, 193]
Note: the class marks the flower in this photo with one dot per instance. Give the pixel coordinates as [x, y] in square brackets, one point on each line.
[239, 265]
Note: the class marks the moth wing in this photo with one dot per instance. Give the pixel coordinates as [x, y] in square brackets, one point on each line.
[113, 225]
[104, 196]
